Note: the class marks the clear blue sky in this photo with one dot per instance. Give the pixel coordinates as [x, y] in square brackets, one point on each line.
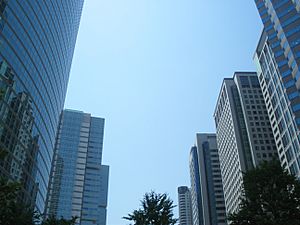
[153, 69]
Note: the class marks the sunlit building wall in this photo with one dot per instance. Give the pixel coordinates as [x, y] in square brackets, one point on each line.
[184, 206]
[244, 133]
[278, 62]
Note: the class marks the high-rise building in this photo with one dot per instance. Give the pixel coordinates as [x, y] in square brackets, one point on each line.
[184, 206]
[212, 204]
[37, 40]
[278, 61]
[79, 182]
[244, 133]
[195, 190]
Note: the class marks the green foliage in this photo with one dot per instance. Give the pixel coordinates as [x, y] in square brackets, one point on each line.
[3, 153]
[156, 210]
[13, 212]
[53, 221]
[271, 197]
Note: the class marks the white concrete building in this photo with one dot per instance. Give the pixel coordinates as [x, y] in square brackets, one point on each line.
[184, 205]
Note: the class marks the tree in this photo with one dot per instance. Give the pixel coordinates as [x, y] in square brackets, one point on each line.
[53, 221]
[14, 212]
[271, 197]
[3, 153]
[156, 210]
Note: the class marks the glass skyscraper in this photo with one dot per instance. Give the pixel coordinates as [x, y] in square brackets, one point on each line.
[79, 182]
[278, 61]
[37, 39]
[197, 215]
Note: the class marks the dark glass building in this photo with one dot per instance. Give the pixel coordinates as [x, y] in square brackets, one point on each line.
[37, 39]
[197, 215]
[278, 60]
[208, 182]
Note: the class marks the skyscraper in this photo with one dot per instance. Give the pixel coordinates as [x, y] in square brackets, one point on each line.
[184, 206]
[244, 133]
[79, 182]
[37, 40]
[212, 203]
[278, 61]
[197, 215]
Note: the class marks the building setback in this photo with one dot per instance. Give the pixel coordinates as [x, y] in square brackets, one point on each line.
[212, 196]
[37, 40]
[79, 182]
[244, 133]
[278, 62]
[184, 206]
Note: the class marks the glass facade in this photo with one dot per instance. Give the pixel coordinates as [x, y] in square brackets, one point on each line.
[79, 182]
[196, 196]
[96, 178]
[278, 60]
[37, 39]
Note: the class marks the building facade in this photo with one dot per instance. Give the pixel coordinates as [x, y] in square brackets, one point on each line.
[37, 40]
[244, 133]
[184, 206]
[195, 190]
[79, 181]
[212, 195]
[278, 61]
